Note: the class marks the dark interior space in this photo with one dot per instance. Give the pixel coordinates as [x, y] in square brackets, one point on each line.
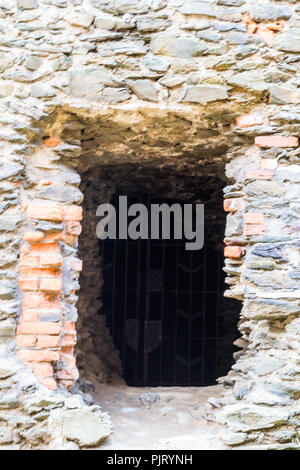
[164, 305]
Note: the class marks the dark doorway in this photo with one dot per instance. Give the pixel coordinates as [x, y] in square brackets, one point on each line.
[165, 309]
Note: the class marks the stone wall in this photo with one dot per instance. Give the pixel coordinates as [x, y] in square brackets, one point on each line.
[186, 83]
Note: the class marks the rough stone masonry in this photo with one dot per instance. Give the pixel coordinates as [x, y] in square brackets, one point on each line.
[147, 79]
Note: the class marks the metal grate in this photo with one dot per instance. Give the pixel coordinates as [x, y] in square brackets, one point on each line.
[163, 307]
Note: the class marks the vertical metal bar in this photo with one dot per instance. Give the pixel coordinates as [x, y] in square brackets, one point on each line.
[146, 317]
[204, 309]
[163, 247]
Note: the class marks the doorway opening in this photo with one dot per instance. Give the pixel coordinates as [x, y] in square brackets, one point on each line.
[161, 319]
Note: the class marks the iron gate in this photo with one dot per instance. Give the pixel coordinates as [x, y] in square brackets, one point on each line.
[162, 305]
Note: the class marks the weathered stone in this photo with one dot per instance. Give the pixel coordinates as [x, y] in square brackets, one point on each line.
[39, 90]
[284, 95]
[246, 417]
[252, 80]
[7, 368]
[9, 401]
[105, 21]
[204, 94]
[267, 11]
[144, 89]
[42, 401]
[90, 83]
[157, 64]
[151, 23]
[7, 258]
[32, 62]
[177, 46]
[10, 169]
[6, 88]
[64, 193]
[7, 327]
[261, 365]
[115, 95]
[233, 438]
[172, 81]
[119, 7]
[197, 7]
[84, 427]
[80, 18]
[27, 4]
[288, 41]
[6, 290]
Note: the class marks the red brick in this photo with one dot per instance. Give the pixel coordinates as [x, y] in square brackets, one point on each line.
[29, 315]
[43, 370]
[51, 285]
[73, 213]
[38, 355]
[54, 237]
[47, 341]
[248, 120]
[67, 349]
[74, 228]
[51, 260]
[69, 327]
[259, 174]
[29, 284]
[43, 211]
[26, 341]
[49, 383]
[45, 248]
[232, 205]
[29, 261]
[52, 142]
[254, 218]
[38, 299]
[267, 141]
[252, 229]
[68, 340]
[39, 328]
[34, 236]
[232, 251]
[35, 273]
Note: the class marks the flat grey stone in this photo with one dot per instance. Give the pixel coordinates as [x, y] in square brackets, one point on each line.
[168, 44]
[115, 95]
[84, 427]
[281, 94]
[243, 417]
[32, 62]
[252, 80]
[9, 169]
[80, 18]
[288, 41]
[64, 193]
[90, 83]
[267, 11]
[157, 64]
[196, 7]
[27, 4]
[41, 90]
[204, 94]
[144, 89]
[171, 81]
[120, 7]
